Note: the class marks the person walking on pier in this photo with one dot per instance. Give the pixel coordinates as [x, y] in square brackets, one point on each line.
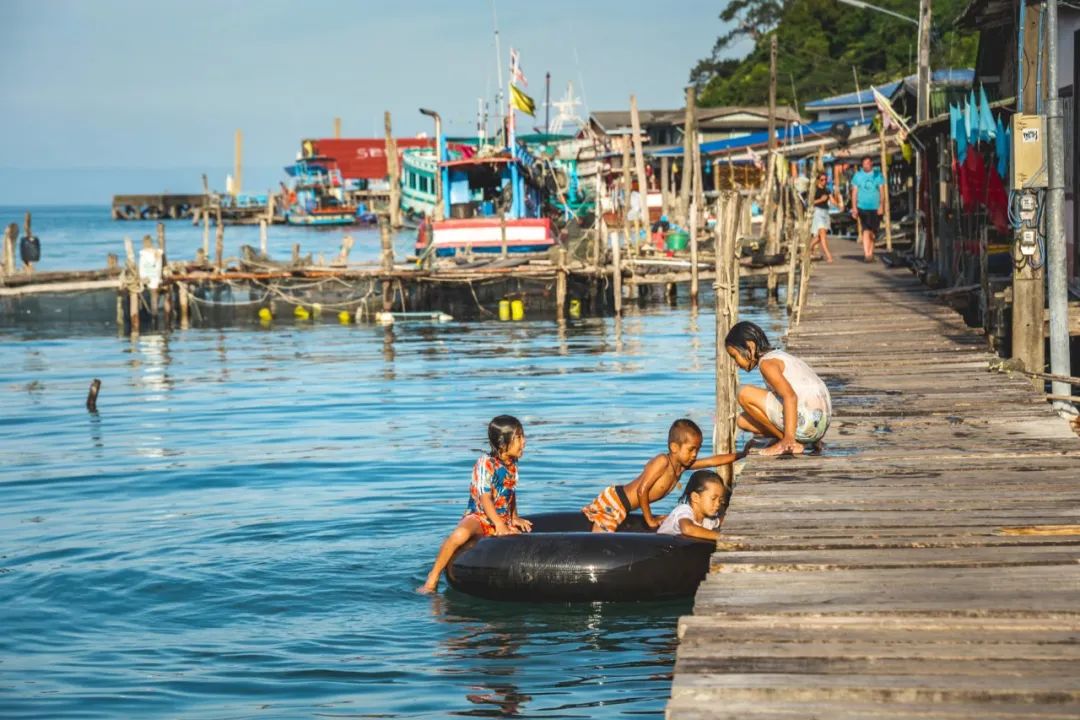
[795, 409]
[867, 203]
[821, 224]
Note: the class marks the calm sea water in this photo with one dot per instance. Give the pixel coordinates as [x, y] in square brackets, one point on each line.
[239, 530]
[80, 237]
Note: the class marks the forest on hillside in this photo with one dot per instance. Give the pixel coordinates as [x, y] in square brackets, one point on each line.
[818, 44]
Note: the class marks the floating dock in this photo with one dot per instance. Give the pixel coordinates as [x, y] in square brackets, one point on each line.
[927, 565]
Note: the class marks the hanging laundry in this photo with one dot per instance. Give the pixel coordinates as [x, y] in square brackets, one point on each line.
[997, 202]
[959, 132]
[973, 185]
[1001, 148]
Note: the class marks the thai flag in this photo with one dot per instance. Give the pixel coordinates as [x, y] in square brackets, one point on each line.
[516, 76]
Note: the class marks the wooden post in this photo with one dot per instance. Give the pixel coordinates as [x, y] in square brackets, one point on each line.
[693, 255]
[886, 215]
[182, 292]
[270, 202]
[91, 396]
[206, 233]
[10, 233]
[639, 165]
[616, 273]
[560, 288]
[262, 237]
[727, 314]
[134, 285]
[219, 243]
[665, 186]
[699, 177]
[503, 248]
[238, 163]
[337, 128]
[387, 260]
[626, 194]
[166, 286]
[394, 173]
[346, 247]
[772, 246]
[794, 227]
[772, 96]
[1029, 275]
[689, 136]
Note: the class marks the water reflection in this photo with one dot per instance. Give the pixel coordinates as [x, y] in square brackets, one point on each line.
[500, 653]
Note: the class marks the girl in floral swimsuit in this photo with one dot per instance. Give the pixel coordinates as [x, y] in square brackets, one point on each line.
[492, 508]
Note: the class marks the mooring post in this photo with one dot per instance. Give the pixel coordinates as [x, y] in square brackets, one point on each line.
[262, 237]
[166, 284]
[394, 173]
[28, 266]
[885, 215]
[693, 255]
[206, 234]
[793, 228]
[219, 243]
[134, 285]
[295, 254]
[10, 233]
[616, 272]
[91, 397]
[387, 261]
[727, 314]
[182, 293]
[560, 288]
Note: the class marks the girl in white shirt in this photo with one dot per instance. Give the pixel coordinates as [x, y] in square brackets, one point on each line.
[701, 508]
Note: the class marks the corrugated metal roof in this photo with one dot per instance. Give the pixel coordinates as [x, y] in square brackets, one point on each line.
[796, 133]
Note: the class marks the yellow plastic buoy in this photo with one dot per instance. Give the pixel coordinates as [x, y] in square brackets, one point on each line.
[265, 315]
[301, 313]
[504, 310]
[575, 309]
[316, 309]
[517, 310]
[344, 317]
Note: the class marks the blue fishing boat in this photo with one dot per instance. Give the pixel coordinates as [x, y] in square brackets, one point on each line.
[316, 197]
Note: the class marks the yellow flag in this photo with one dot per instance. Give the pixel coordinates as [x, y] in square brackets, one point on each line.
[522, 102]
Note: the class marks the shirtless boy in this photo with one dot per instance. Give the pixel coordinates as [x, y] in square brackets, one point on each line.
[658, 478]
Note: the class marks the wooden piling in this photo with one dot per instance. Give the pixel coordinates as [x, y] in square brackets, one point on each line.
[387, 260]
[693, 256]
[346, 247]
[639, 166]
[182, 297]
[560, 288]
[689, 135]
[92, 395]
[665, 186]
[296, 254]
[616, 272]
[219, 243]
[886, 213]
[727, 314]
[794, 241]
[206, 234]
[11, 232]
[166, 286]
[394, 173]
[626, 193]
[262, 237]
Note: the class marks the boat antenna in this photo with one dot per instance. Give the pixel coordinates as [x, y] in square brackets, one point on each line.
[498, 59]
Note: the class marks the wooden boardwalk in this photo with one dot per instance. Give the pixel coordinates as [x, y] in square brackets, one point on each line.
[927, 565]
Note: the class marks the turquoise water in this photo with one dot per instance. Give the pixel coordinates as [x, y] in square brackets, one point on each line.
[80, 237]
[239, 530]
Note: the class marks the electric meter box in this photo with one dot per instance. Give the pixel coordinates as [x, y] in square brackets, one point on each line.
[1028, 164]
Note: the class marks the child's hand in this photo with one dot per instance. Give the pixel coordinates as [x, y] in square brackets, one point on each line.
[523, 525]
[745, 449]
[502, 529]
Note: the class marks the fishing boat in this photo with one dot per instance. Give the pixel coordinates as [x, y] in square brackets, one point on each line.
[418, 169]
[494, 202]
[316, 197]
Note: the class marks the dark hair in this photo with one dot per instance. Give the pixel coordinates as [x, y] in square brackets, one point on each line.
[741, 334]
[699, 480]
[681, 429]
[867, 157]
[501, 431]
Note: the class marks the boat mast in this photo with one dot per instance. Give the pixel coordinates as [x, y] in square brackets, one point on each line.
[498, 61]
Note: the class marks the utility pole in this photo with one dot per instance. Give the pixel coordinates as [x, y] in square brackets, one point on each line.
[1029, 279]
[772, 95]
[923, 113]
[1057, 284]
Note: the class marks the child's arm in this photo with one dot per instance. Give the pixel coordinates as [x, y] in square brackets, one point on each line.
[773, 373]
[725, 459]
[519, 523]
[690, 529]
[653, 471]
[488, 506]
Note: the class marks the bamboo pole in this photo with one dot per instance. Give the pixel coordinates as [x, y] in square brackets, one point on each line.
[206, 234]
[28, 267]
[794, 227]
[560, 288]
[886, 214]
[262, 237]
[665, 186]
[182, 293]
[219, 243]
[727, 314]
[626, 193]
[639, 165]
[694, 256]
[394, 173]
[616, 272]
[387, 260]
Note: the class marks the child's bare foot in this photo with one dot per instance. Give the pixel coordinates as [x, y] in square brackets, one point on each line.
[784, 448]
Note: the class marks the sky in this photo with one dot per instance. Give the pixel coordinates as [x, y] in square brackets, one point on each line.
[127, 96]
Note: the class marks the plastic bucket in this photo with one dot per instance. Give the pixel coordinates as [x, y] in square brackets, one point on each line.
[677, 240]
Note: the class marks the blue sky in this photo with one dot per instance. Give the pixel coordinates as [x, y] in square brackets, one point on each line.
[144, 96]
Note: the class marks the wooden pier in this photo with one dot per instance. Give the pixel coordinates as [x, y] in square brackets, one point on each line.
[926, 566]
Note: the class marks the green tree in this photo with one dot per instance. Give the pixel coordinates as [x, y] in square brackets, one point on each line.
[819, 41]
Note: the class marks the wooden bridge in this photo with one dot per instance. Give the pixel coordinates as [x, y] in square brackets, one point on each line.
[927, 565]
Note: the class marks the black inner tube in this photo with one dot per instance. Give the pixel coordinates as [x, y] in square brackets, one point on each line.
[560, 560]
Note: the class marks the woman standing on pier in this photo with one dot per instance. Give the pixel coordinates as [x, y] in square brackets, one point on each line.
[821, 224]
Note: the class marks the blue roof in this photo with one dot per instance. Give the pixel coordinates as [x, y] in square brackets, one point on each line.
[798, 133]
[945, 76]
[866, 97]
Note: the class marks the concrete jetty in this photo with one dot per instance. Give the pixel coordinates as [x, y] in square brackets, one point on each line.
[926, 566]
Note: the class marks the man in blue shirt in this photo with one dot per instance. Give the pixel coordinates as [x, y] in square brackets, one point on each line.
[867, 203]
